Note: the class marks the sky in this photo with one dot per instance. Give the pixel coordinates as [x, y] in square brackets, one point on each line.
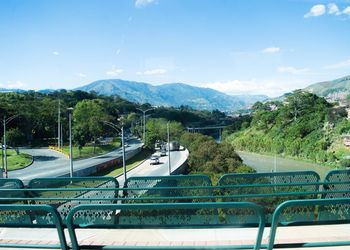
[238, 47]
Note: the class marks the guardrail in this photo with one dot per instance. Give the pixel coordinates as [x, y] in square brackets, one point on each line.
[175, 216]
[22, 216]
[318, 211]
[267, 191]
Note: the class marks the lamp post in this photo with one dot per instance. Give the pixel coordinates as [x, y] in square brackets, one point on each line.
[115, 127]
[169, 163]
[70, 110]
[4, 122]
[144, 122]
[59, 125]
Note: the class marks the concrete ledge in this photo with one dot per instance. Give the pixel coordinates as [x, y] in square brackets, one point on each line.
[181, 237]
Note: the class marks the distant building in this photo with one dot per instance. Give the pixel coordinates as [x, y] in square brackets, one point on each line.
[346, 140]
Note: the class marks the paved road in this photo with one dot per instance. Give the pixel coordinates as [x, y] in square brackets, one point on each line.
[177, 158]
[48, 163]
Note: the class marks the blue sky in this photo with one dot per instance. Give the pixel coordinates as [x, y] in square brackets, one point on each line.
[238, 47]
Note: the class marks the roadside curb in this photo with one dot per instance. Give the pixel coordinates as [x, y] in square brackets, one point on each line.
[56, 149]
[131, 168]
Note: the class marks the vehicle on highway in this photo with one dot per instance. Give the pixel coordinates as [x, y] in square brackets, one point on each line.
[163, 152]
[154, 160]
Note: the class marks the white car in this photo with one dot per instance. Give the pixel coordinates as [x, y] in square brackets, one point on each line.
[154, 160]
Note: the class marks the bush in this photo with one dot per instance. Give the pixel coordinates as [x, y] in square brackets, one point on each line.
[345, 163]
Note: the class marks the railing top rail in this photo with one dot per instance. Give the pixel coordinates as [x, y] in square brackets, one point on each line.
[269, 174]
[9, 181]
[250, 195]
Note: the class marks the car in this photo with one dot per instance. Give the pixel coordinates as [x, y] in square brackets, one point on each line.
[162, 152]
[154, 160]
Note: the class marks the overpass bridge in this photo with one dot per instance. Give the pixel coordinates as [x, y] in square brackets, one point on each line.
[219, 128]
[188, 212]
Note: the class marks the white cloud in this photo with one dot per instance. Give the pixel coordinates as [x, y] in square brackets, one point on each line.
[255, 87]
[346, 11]
[271, 50]
[114, 71]
[14, 85]
[343, 64]
[56, 53]
[153, 72]
[143, 3]
[316, 10]
[81, 75]
[291, 70]
[333, 9]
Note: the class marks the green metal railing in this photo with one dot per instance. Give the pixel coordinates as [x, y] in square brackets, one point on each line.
[155, 182]
[337, 180]
[267, 190]
[184, 215]
[103, 189]
[22, 216]
[319, 211]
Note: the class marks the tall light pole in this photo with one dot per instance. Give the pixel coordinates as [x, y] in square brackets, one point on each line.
[115, 127]
[4, 122]
[59, 125]
[169, 163]
[70, 110]
[144, 122]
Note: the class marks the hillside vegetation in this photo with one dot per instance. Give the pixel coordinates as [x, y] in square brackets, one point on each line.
[171, 94]
[206, 156]
[303, 126]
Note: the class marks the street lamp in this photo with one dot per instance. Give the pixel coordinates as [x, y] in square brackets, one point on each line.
[4, 122]
[144, 122]
[59, 125]
[168, 130]
[70, 111]
[115, 127]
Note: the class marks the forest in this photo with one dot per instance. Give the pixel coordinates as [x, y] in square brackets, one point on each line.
[302, 126]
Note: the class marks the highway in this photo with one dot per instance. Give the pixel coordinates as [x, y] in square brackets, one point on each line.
[48, 163]
[177, 158]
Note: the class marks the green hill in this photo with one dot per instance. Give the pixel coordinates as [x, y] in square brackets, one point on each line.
[302, 126]
[335, 90]
[172, 94]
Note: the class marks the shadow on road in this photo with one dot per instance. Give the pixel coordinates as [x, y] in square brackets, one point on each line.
[45, 158]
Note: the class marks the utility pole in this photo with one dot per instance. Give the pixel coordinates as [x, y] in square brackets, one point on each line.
[4, 122]
[4, 146]
[169, 163]
[144, 122]
[61, 135]
[70, 110]
[123, 147]
[116, 128]
[59, 125]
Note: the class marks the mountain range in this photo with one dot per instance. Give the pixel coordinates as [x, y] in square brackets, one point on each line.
[180, 94]
[335, 90]
[172, 94]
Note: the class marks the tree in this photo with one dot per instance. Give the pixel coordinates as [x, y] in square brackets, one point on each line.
[15, 138]
[87, 121]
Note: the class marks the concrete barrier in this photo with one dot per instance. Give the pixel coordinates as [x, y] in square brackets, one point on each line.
[106, 165]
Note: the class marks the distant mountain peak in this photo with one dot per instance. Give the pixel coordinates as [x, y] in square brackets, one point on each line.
[171, 94]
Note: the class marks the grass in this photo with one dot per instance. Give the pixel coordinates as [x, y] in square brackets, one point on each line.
[15, 161]
[88, 151]
[131, 163]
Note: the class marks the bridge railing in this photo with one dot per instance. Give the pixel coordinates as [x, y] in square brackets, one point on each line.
[314, 212]
[175, 216]
[15, 216]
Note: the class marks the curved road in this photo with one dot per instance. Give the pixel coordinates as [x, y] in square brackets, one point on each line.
[48, 163]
